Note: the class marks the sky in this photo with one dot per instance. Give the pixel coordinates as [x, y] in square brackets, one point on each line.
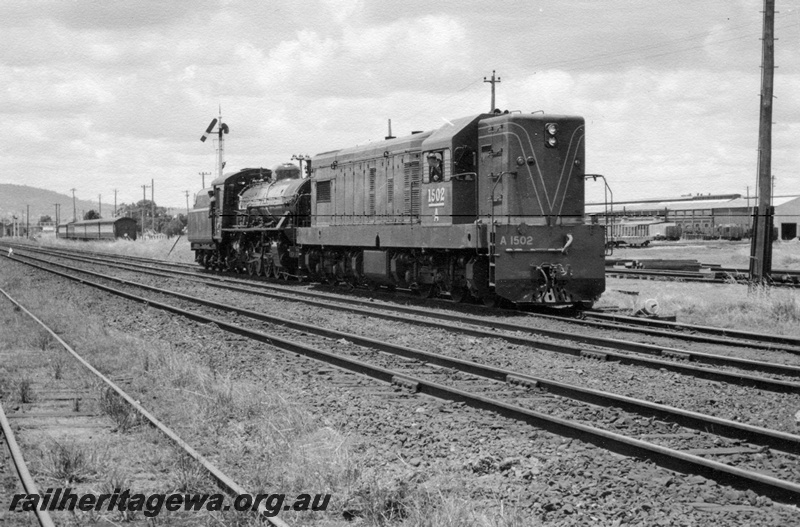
[105, 95]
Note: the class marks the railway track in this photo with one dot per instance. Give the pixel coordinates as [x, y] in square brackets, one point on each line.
[730, 370]
[221, 480]
[645, 326]
[18, 460]
[694, 332]
[598, 319]
[714, 276]
[510, 393]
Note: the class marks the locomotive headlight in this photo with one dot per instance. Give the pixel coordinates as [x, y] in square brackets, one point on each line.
[550, 129]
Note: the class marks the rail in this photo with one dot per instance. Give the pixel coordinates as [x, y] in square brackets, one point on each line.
[25, 478]
[223, 481]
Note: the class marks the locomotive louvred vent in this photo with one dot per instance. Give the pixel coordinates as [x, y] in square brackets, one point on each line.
[323, 191]
[411, 176]
[372, 191]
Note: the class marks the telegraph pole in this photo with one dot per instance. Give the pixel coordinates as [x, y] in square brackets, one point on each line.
[307, 159]
[204, 174]
[761, 242]
[99, 204]
[153, 202]
[74, 210]
[27, 221]
[144, 198]
[187, 205]
[493, 81]
[115, 203]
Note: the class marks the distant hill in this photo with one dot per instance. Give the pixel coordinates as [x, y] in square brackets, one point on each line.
[15, 198]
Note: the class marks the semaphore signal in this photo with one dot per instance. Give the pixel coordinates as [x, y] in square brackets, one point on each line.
[222, 129]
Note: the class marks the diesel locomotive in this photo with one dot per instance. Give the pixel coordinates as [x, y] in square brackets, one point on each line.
[489, 207]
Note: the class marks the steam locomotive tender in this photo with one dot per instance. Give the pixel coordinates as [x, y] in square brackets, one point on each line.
[489, 206]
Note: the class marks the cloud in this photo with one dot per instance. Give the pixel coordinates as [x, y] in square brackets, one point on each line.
[117, 92]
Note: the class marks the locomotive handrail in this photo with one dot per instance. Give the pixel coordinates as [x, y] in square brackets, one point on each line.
[463, 176]
[562, 250]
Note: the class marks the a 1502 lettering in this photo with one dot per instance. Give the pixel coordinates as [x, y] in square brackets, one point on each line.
[516, 240]
[436, 196]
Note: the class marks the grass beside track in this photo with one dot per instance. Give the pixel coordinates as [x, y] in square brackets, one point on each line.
[275, 443]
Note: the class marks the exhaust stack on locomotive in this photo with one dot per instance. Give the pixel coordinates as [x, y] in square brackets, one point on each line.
[488, 206]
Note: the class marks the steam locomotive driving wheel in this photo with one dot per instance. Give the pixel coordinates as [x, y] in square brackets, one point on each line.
[267, 265]
[253, 258]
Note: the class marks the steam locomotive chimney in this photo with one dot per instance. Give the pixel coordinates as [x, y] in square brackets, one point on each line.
[390, 136]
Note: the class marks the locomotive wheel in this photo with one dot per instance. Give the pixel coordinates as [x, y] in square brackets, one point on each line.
[491, 300]
[459, 294]
[254, 267]
[267, 266]
[253, 260]
[426, 290]
[276, 272]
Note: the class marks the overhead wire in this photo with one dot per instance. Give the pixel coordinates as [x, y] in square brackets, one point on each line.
[589, 60]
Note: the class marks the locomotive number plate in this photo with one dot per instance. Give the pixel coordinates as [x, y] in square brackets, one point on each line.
[436, 197]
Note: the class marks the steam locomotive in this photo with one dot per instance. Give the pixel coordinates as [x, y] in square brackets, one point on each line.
[487, 207]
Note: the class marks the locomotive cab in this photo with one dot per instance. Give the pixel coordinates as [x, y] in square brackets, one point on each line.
[449, 176]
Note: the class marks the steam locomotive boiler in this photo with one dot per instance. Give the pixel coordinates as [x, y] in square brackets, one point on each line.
[246, 221]
[489, 207]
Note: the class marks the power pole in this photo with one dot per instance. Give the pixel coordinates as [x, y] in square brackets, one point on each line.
[74, 210]
[115, 203]
[761, 242]
[27, 221]
[144, 198]
[153, 202]
[307, 158]
[99, 204]
[204, 174]
[493, 81]
[57, 222]
[187, 205]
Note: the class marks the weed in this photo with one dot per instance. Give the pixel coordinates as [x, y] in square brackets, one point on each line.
[118, 482]
[123, 415]
[69, 463]
[25, 390]
[381, 502]
[42, 340]
[189, 477]
[115, 480]
[785, 309]
[58, 367]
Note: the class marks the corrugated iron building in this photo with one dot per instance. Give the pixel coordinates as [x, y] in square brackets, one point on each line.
[699, 215]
